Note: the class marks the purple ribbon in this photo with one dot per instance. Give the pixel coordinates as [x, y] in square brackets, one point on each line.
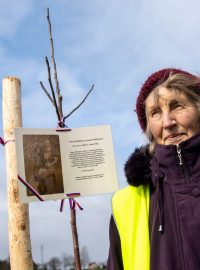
[3, 142]
[72, 202]
[31, 188]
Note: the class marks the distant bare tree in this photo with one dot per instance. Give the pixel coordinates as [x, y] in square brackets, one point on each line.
[85, 259]
[54, 264]
[5, 265]
[67, 260]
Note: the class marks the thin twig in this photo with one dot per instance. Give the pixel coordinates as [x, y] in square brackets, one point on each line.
[54, 66]
[79, 104]
[47, 93]
[51, 87]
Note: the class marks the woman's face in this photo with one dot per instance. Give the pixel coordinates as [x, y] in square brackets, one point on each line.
[171, 117]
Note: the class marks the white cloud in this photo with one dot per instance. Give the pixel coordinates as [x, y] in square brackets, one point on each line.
[12, 14]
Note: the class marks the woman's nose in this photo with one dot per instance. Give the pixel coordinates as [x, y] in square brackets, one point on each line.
[168, 120]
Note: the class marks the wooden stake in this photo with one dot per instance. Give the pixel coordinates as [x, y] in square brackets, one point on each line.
[18, 213]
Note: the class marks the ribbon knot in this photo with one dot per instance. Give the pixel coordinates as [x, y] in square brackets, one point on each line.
[2, 141]
[5, 142]
[72, 202]
[61, 123]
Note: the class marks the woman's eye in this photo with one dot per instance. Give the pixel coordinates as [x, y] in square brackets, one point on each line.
[177, 105]
[154, 113]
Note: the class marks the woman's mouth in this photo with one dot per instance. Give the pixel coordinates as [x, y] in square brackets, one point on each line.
[174, 138]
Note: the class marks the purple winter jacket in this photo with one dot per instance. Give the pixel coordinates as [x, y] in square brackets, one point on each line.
[174, 207]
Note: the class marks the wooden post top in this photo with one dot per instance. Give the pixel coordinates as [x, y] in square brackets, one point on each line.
[12, 79]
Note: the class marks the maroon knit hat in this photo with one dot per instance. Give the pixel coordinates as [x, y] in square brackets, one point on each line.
[153, 80]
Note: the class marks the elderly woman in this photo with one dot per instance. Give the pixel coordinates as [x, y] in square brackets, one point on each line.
[156, 219]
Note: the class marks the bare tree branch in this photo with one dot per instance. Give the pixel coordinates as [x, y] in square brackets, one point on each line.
[51, 87]
[59, 112]
[79, 104]
[47, 93]
[54, 66]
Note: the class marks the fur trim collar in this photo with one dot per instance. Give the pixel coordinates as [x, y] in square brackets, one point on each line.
[137, 167]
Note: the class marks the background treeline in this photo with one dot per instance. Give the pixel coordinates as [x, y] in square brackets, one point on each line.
[65, 262]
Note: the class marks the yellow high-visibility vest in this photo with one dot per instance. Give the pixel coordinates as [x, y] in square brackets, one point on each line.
[131, 213]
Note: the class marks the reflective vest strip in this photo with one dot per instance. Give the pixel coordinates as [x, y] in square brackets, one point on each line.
[131, 214]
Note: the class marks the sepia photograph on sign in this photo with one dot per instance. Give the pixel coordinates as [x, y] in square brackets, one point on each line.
[42, 160]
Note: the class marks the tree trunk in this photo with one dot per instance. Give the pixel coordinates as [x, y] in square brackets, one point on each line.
[18, 213]
[75, 239]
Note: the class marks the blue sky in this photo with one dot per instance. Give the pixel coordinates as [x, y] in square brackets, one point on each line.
[113, 44]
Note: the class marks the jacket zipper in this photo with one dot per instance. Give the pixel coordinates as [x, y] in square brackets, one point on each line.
[183, 164]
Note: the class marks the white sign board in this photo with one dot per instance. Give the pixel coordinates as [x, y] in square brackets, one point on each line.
[56, 163]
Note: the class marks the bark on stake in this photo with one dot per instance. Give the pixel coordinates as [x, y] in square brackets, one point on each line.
[75, 240]
[18, 213]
